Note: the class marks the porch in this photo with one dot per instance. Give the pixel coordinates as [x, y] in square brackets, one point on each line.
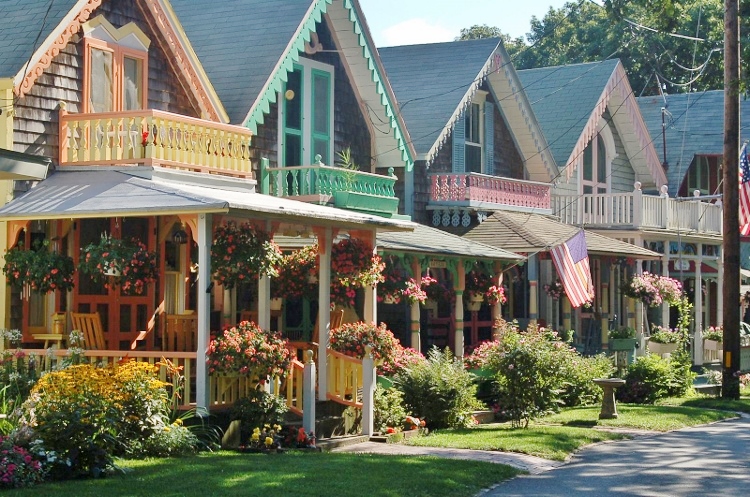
[636, 210]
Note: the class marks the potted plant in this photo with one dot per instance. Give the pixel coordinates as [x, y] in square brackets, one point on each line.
[713, 336]
[241, 252]
[351, 339]
[298, 274]
[477, 284]
[555, 289]
[353, 266]
[663, 340]
[39, 269]
[439, 293]
[622, 338]
[394, 282]
[415, 290]
[495, 295]
[119, 263]
[653, 290]
[247, 350]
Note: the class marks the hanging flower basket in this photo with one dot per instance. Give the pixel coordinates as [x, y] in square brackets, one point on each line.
[128, 265]
[247, 350]
[394, 281]
[242, 252]
[390, 299]
[276, 304]
[39, 269]
[474, 305]
[430, 305]
[353, 266]
[653, 290]
[298, 274]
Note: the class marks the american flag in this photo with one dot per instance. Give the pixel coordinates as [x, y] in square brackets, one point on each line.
[572, 263]
[744, 192]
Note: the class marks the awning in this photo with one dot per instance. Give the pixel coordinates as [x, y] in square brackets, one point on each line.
[149, 191]
[527, 233]
[744, 273]
[432, 241]
[22, 167]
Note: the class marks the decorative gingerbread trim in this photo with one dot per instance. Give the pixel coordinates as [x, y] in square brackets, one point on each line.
[181, 58]
[54, 49]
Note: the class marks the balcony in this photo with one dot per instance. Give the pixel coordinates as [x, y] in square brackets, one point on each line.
[634, 210]
[472, 191]
[152, 137]
[322, 184]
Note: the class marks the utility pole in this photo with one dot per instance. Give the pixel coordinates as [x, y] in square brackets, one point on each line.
[731, 288]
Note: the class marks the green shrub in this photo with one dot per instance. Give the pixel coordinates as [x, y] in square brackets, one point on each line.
[439, 390]
[258, 410]
[389, 408]
[173, 440]
[578, 378]
[647, 379]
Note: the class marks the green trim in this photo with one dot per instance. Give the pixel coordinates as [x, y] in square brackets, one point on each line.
[328, 77]
[268, 95]
[285, 130]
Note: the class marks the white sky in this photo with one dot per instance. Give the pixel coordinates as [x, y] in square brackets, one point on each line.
[408, 22]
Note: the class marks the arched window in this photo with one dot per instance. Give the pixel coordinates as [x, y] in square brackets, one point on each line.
[596, 164]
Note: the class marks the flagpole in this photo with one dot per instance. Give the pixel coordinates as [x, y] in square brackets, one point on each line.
[731, 250]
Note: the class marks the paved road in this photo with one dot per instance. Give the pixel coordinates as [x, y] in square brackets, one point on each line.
[709, 460]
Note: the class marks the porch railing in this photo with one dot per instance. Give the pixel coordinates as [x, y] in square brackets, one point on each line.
[636, 210]
[292, 387]
[154, 137]
[345, 376]
[481, 190]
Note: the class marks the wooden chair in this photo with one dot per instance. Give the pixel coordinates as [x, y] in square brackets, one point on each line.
[91, 326]
[337, 317]
[249, 316]
[180, 333]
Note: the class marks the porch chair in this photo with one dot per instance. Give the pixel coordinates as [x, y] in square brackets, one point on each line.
[180, 333]
[91, 326]
[249, 316]
[337, 318]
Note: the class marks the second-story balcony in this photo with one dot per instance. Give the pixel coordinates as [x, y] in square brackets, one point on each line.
[636, 210]
[487, 193]
[338, 186]
[152, 137]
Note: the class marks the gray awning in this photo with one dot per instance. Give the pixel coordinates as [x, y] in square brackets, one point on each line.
[145, 191]
[22, 167]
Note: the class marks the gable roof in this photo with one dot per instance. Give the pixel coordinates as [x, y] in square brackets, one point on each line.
[249, 57]
[695, 126]
[39, 29]
[569, 102]
[432, 98]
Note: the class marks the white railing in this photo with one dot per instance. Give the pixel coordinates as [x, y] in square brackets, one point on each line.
[467, 188]
[636, 210]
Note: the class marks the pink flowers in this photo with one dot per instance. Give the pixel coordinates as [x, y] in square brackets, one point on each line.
[653, 290]
[247, 350]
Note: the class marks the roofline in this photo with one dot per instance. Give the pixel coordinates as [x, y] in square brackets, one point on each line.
[617, 82]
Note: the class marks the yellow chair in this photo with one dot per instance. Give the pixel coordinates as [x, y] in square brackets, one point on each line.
[180, 333]
[337, 317]
[91, 326]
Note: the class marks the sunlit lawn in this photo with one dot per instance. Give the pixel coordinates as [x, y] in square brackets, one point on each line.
[298, 474]
[556, 437]
[741, 405]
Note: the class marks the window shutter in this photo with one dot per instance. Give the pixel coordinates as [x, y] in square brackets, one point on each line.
[459, 145]
[489, 138]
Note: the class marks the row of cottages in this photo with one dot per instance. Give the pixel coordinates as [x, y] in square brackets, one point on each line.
[141, 120]
[521, 160]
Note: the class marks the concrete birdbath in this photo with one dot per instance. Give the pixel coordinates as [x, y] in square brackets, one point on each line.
[609, 409]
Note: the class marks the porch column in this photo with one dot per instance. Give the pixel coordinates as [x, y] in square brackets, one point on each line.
[6, 187]
[719, 292]
[371, 298]
[416, 339]
[698, 306]
[497, 310]
[459, 285]
[567, 313]
[324, 308]
[639, 308]
[409, 192]
[264, 293]
[533, 275]
[202, 387]
[665, 272]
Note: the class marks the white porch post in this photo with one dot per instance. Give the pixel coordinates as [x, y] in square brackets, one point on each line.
[264, 297]
[458, 335]
[202, 387]
[639, 310]
[324, 308]
[416, 332]
[371, 298]
[369, 379]
[665, 272]
[698, 302]
[719, 286]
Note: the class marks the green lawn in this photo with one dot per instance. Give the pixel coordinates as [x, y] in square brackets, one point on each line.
[300, 474]
[741, 405]
[556, 437]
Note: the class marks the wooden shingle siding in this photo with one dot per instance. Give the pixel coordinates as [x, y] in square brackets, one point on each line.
[623, 176]
[508, 162]
[265, 141]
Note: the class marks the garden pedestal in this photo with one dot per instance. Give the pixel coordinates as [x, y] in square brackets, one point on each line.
[609, 408]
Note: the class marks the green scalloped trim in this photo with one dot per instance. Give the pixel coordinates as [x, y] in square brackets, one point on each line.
[292, 55]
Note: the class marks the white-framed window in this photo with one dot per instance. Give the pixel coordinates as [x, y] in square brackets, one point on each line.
[115, 67]
[704, 175]
[596, 162]
[473, 137]
[306, 114]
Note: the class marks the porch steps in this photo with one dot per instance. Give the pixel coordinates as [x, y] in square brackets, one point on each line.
[328, 444]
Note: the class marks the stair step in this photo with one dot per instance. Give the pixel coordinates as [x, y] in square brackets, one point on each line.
[328, 444]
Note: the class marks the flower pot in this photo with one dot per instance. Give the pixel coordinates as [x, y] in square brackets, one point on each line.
[476, 297]
[389, 299]
[276, 304]
[661, 348]
[111, 270]
[473, 305]
[622, 344]
[712, 345]
[430, 305]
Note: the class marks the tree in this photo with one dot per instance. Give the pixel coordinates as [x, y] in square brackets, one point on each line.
[484, 31]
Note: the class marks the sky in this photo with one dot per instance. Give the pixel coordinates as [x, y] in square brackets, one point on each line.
[407, 22]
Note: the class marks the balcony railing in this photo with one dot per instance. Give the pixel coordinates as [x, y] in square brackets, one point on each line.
[636, 210]
[488, 192]
[154, 137]
[319, 183]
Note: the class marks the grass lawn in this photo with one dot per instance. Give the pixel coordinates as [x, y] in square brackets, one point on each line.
[555, 437]
[300, 474]
[741, 405]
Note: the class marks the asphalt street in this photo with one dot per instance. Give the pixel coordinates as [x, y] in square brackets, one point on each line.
[709, 460]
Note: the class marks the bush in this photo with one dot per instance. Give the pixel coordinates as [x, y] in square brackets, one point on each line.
[648, 379]
[579, 373]
[439, 390]
[402, 358]
[258, 410]
[389, 409]
[18, 466]
[172, 440]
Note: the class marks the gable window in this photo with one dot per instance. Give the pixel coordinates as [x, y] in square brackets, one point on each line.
[704, 175]
[473, 137]
[306, 114]
[116, 67]
[596, 162]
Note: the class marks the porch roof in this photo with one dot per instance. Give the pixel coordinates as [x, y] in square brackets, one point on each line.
[143, 191]
[523, 232]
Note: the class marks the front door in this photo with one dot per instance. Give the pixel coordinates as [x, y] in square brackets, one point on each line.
[123, 316]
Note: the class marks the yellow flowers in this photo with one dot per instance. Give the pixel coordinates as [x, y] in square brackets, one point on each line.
[269, 441]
